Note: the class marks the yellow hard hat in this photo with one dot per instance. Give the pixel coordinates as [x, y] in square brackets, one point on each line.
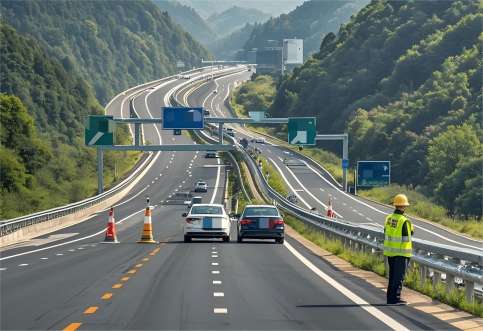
[400, 200]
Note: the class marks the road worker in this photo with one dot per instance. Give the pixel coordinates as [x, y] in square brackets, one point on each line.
[398, 232]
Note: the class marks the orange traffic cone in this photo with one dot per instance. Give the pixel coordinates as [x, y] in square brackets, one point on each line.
[147, 235]
[111, 236]
[330, 211]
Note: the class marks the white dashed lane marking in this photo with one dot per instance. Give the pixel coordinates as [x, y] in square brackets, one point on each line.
[214, 263]
[2, 269]
[215, 272]
[214, 256]
[220, 311]
[44, 258]
[218, 294]
[23, 264]
[217, 282]
[59, 254]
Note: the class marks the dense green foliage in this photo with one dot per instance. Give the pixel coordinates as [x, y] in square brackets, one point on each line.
[189, 20]
[43, 160]
[235, 18]
[255, 95]
[112, 44]
[404, 78]
[309, 21]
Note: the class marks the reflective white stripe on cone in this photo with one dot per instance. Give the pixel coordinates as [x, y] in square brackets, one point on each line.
[111, 236]
[147, 234]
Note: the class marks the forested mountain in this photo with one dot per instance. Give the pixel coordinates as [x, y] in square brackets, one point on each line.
[231, 46]
[404, 78]
[235, 18]
[112, 44]
[189, 20]
[207, 8]
[40, 155]
[309, 21]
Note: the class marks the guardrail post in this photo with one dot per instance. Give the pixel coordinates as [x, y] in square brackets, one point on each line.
[469, 290]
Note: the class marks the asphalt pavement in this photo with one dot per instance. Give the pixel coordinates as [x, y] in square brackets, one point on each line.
[78, 283]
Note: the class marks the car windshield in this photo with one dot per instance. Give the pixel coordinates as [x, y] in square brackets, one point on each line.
[260, 211]
[206, 210]
[201, 183]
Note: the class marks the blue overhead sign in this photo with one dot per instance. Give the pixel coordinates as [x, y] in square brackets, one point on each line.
[373, 173]
[183, 118]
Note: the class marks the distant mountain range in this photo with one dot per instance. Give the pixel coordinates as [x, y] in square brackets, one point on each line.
[189, 20]
[206, 8]
[309, 21]
[235, 18]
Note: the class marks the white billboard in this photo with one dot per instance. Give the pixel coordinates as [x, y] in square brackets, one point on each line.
[293, 51]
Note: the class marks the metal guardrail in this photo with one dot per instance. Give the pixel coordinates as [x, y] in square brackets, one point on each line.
[12, 225]
[432, 258]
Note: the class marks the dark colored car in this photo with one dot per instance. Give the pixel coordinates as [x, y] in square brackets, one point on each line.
[261, 222]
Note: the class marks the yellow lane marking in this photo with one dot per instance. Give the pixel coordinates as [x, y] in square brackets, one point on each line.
[152, 253]
[106, 296]
[139, 265]
[91, 310]
[117, 286]
[125, 279]
[132, 271]
[72, 327]
[146, 259]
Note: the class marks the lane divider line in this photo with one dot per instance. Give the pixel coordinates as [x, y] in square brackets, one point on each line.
[117, 285]
[378, 314]
[107, 296]
[90, 310]
[72, 327]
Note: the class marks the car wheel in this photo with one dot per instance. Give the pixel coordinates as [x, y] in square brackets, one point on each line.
[226, 239]
[279, 240]
[187, 239]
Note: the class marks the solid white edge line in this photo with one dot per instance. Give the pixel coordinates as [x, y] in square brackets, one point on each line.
[378, 314]
[69, 242]
[384, 213]
[216, 183]
[290, 185]
[308, 192]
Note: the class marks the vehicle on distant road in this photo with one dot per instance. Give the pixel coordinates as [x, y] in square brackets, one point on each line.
[292, 198]
[230, 132]
[201, 186]
[195, 200]
[211, 155]
[260, 140]
[183, 196]
[206, 221]
[261, 222]
[215, 91]
[207, 112]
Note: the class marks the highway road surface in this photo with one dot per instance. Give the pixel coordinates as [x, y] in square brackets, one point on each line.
[313, 187]
[69, 280]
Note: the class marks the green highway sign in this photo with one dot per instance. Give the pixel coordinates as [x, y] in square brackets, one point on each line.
[99, 130]
[301, 130]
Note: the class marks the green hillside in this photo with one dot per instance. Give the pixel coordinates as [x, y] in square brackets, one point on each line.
[309, 21]
[112, 44]
[189, 20]
[235, 18]
[404, 78]
[42, 155]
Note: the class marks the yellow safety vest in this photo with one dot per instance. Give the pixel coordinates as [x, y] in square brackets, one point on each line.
[395, 244]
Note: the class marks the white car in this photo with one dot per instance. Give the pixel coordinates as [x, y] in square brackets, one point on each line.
[201, 186]
[206, 221]
[260, 140]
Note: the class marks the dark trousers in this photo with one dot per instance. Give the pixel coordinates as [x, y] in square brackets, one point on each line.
[397, 270]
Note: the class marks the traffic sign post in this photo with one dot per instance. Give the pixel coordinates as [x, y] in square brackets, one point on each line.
[183, 118]
[373, 174]
[302, 130]
[345, 152]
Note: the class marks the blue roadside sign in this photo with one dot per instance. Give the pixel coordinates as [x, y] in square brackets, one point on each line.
[183, 118]
[345, 164]
[373, 173]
